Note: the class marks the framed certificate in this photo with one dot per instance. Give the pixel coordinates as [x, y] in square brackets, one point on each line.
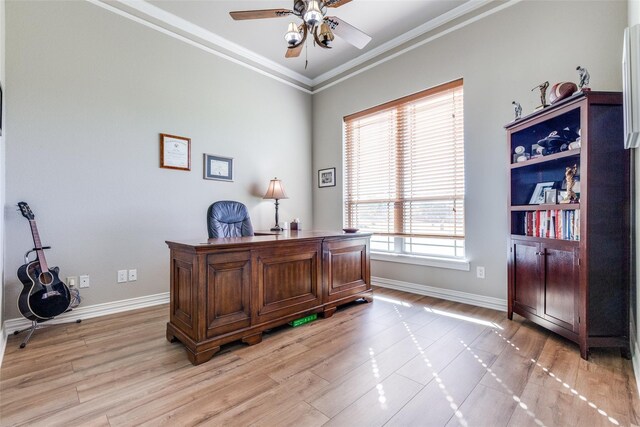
[175, 152]
[218, 168]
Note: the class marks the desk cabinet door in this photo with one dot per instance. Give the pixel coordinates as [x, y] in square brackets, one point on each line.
[286, 280]
[228, 292]
[346, 268]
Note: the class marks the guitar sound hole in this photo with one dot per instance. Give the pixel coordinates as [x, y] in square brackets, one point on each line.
[45, 278]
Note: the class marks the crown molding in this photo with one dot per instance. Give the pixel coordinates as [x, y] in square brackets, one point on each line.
[181, 29]
[152, 13]
[417, 44]
[459, 11]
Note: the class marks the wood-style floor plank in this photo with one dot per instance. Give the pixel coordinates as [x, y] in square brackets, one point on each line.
[300, 414]
[379, 404]
[403, 360]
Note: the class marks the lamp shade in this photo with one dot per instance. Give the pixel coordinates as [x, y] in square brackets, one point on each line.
[313, 15]
[292, 35]
[275, 190]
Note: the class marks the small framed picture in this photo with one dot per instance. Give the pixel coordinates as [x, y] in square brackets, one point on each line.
[550, 196]
[218, 167]
[175, 152]
[327, 177]
[537, 198]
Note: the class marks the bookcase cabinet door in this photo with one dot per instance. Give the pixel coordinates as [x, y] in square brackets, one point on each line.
[561, 280]
[526, 277]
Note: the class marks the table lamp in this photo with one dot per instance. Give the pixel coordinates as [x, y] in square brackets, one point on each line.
[275, 191]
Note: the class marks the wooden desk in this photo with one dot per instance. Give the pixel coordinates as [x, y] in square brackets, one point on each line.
[230, 289]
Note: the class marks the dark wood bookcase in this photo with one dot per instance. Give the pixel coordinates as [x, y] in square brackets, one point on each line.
[576, 285]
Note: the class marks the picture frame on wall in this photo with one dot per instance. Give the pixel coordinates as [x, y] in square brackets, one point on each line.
[327, 177]
[175, 152]
[218, 168]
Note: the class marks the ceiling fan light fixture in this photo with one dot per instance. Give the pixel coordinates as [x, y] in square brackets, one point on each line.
[314, 14]
[293, 36]
[326, 36]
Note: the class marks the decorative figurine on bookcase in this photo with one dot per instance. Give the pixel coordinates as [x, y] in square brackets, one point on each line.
[519, 155]
[570, 174]
[543, 94]
[517, 110]
[583, 85]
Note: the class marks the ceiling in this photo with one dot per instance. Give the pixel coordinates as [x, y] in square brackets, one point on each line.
[260, 42]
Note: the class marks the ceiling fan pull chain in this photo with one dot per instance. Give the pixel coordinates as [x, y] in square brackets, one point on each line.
[306, 55]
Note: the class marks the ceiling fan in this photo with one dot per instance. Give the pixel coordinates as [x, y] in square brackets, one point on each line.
[314, 22]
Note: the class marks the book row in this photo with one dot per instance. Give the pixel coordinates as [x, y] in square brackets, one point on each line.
[553, 224]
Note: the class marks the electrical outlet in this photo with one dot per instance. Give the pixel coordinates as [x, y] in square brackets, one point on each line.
[133, 275]
[84, 281]
[122, 276]
[480, 272]
[72, 281]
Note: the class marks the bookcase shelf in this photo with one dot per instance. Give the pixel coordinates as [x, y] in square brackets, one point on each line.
[576, 286]
[574, 243]
[547, 159]
[557, 206]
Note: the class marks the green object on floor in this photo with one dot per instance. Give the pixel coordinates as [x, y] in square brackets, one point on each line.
[303, 320]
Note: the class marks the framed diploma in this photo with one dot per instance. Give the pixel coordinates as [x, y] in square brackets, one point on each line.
[175, 152]
[217, 167]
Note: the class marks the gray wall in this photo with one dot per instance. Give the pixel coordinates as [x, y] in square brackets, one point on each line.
[90, 91]
[500, 57]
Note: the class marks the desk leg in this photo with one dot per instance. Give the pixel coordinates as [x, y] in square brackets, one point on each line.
[204, 356]
[328, 312]
[252, 339]
[171, 337]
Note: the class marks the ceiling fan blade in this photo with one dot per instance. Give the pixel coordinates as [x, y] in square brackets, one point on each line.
[259, 14]
[335, 3]
[294, 52]
[348, 32]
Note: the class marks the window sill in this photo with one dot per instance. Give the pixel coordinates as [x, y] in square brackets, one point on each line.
[453, 264]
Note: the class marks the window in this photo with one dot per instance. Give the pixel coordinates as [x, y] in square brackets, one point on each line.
[404, 173]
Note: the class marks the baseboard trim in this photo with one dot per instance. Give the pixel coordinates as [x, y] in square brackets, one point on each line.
[448, 294]
[88, 312]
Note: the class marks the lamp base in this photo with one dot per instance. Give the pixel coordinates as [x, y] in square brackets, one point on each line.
[277, 228]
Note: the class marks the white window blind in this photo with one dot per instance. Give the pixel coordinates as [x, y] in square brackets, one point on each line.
[404, 168]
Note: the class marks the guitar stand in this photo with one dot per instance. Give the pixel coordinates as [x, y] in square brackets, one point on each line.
[37, 325]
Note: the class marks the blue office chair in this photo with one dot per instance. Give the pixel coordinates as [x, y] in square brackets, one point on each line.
[227, 218]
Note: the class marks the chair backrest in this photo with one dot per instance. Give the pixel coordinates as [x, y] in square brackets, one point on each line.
[227, 218]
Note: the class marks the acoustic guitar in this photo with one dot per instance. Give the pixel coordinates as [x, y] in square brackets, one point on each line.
[44, 295]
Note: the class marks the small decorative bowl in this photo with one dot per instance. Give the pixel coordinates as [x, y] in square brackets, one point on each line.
[350, 230]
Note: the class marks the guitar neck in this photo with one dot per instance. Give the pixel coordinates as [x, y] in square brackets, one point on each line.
[38, 245]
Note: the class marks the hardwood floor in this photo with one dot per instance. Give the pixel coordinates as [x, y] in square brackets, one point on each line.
[404, 360]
